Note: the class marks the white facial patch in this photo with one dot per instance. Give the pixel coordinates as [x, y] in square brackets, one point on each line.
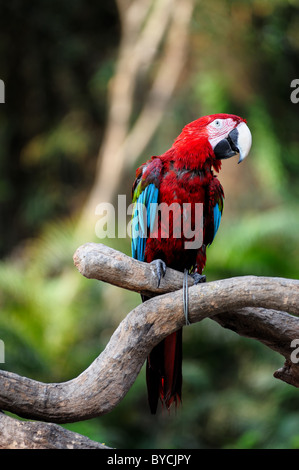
[219, 129]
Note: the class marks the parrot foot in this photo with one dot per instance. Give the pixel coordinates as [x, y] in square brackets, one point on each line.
[198, 278]
[160, 269]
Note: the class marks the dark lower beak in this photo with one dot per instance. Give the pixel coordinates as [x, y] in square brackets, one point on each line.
[227, 147]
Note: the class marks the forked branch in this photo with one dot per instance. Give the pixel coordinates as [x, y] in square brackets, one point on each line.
[257, 307]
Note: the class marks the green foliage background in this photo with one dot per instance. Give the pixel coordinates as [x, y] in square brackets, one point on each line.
[56, 59]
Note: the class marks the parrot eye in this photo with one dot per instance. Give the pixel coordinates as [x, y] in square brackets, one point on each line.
[217, 123]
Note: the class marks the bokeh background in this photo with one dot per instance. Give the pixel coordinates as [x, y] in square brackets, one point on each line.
[92, 90]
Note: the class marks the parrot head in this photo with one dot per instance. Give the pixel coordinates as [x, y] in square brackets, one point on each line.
[229, 135]
[216, 137]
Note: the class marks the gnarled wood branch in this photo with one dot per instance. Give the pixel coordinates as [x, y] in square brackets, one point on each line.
[270, 325]
[16, 434]
[236, 303]
[257, 307]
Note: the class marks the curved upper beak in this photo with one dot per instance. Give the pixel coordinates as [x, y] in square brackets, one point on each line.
[238, 141]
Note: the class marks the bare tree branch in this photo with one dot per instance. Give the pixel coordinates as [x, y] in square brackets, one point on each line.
[236, 303]
[97, 261]
[276, 329]
[16, 434]
[273, 328]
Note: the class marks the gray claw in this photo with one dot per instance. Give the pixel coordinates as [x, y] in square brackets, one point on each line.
[160, 269]
[198, 278]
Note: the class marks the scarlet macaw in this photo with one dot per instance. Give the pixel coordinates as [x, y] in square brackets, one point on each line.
[183, 174]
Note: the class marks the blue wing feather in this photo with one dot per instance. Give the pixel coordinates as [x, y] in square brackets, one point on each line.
[217, 218]
[143, 217]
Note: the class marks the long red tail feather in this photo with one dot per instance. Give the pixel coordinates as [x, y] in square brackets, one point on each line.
[164, 372]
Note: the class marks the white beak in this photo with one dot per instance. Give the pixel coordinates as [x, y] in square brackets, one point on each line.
[244, 141]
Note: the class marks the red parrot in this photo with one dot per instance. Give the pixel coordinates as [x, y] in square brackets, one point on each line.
[184, 174]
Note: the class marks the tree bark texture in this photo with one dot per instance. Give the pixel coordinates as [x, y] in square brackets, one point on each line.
[16, 434]
[257, 307]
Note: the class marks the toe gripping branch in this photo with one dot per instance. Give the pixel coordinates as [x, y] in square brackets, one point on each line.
[160, 269]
